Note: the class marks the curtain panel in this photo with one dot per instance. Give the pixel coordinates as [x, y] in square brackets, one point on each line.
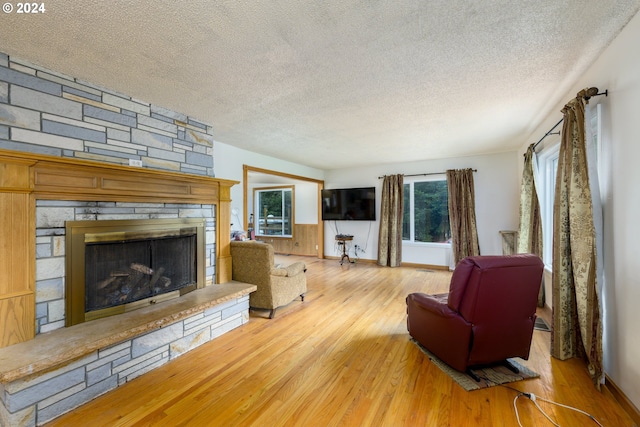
[462, 214]
[530, 228]
[391, 211]
[577, 327]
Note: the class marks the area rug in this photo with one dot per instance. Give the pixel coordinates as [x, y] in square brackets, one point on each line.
[489, 376]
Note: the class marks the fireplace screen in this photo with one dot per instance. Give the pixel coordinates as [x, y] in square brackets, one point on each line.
[119, 273]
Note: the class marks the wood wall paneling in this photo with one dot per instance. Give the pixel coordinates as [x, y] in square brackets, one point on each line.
[17, 252]
[305, 239]
[281, 245]
[17, 316]
[223, 235]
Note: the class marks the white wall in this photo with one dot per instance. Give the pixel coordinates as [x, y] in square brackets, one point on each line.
[306, 209]
[228, 163]
[305, 199]
[618, 70]
[497, 204]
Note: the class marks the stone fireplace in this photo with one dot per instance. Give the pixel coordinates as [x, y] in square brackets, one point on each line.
[65, 146]
[56, 283]
[45, 374]
[83, 190]
[115, 266]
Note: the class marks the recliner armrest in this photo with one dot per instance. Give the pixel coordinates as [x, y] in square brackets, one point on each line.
[437, 304]
[439, 328]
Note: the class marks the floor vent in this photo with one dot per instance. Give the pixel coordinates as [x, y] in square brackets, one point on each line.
[541, 325]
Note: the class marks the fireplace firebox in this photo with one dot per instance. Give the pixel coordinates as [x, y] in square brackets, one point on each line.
[120, 265]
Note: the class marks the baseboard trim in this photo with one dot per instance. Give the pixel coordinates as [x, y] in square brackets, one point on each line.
[623, 400]
[353, 259]
[404, 264]
[426, 266]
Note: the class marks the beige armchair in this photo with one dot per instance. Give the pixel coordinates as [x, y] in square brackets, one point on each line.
[252, 262]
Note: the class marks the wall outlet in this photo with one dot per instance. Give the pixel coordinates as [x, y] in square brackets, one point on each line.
[135, 162]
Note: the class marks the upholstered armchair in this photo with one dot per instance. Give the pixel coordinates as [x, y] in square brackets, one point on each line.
[252, 262]
[487, 316]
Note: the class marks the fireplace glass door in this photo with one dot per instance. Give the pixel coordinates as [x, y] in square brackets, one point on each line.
[115, 266]
[118, 273]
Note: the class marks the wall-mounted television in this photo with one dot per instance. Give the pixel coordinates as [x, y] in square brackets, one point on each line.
[349, 204]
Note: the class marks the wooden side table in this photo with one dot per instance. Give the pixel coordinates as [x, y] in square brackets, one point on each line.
[343, 239]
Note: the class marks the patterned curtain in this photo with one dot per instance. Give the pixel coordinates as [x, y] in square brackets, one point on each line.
[530, 229]
[391, 210]
[462, 214]
[577, 325]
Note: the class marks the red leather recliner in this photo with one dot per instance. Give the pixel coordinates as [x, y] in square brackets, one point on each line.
[487, 316]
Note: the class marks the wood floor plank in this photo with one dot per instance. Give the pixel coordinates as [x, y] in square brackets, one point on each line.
[340, 358]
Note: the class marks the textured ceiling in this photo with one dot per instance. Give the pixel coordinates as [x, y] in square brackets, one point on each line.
[330, 83]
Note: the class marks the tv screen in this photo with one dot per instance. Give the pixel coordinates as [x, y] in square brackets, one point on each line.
[349, 204]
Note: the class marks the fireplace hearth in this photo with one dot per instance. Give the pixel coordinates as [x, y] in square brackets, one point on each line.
[120, 265]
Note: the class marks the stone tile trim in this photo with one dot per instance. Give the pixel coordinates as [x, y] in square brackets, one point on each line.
[45, 112]
[54, 373]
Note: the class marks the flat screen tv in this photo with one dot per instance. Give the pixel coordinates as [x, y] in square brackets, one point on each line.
[349, 204]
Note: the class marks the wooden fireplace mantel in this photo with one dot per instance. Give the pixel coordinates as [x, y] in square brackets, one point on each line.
[27, 177]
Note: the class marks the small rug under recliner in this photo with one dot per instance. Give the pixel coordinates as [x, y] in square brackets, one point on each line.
[489, 376]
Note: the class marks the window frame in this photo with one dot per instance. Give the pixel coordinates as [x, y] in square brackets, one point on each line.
[547, 162]
[258, 215]
[411, 182]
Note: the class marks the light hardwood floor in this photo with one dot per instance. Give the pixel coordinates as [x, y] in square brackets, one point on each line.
[340, 358]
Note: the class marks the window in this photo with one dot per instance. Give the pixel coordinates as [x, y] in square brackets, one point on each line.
[426, 211]
[594, 131]
[274, 211]
[547, 168]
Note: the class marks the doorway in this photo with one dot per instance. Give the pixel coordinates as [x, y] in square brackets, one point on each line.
[307, 232]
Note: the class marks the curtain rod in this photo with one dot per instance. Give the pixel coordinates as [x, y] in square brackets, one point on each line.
[548, 133]
[590, 93]
[425, 174]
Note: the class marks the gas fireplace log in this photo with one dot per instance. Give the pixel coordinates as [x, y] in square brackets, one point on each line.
[136, 281]
[111, 288]
[164, 282]
[156, 276]
[129, 284]
[142, 268]
[118, 273]
[106, 282]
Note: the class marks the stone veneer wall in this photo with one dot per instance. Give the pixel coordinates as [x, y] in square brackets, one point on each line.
[45, 112]
[41, 398]
[50, 244]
